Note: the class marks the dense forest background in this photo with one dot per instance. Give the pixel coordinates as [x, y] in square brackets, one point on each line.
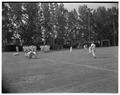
[52, 24]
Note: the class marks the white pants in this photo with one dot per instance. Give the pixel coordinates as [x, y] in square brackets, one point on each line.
[93, 52]
[90, 50]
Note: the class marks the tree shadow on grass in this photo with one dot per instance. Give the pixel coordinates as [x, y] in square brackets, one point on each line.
[100, 57]
[34, 58]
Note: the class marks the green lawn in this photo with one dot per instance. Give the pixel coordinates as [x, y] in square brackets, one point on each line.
[62, 72]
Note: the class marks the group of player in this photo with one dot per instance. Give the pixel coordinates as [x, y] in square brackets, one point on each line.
[30, 51]
[91, 49]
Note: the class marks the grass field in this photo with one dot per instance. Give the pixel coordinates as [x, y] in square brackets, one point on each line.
[62, 72]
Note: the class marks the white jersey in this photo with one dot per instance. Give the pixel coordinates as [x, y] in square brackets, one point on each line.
[93, 46]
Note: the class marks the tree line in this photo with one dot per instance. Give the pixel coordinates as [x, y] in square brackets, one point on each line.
[52, 24]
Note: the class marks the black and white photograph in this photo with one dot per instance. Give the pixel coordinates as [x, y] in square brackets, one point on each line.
[59, 47]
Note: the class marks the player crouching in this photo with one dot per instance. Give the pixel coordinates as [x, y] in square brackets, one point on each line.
[30, 51]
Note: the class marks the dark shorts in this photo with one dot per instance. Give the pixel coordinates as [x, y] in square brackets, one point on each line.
[16, 42]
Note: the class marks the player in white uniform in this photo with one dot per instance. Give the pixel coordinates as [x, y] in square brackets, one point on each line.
[85, 47]
[70, 49]
[17, 42]
[93, 47]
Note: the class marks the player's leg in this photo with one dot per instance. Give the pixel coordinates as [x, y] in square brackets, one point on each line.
[16, 43]
[17, 49]
[93, 53]
[90, 50]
